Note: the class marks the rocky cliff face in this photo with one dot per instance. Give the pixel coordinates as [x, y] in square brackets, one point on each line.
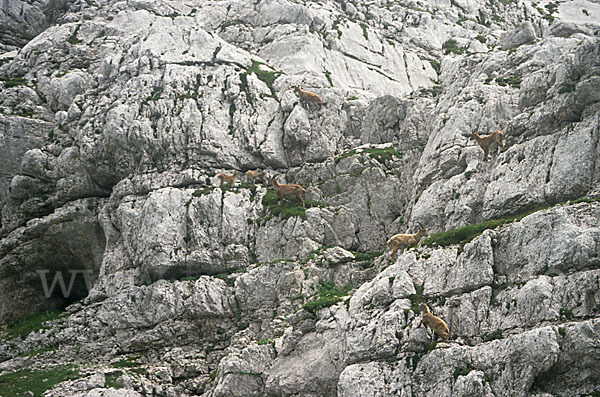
[117, 117]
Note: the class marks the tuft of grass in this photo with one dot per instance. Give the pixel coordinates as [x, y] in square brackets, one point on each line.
[417, 298]
[111, 379]
[514, 81]
[433, 91]
[31, 323]
[565, 89]
[584, 200]
[367, 256]
[465, 234]
[365, 31]
[566, 313]
[462, 372]
[154, 96]
[202, 192]
[451, 46]
[234, 22]
[16, 384]
[265, 341]
[73, 38]
[13, 81]
[287, 209]
[328, 295]
[267, 76]
[497, 334]
[436, 65]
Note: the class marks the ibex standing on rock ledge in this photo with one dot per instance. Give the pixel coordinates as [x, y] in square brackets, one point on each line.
[226, 177]
[438, 325]
[310, 97]
[284, 190]
[485, 141]
[405, 241]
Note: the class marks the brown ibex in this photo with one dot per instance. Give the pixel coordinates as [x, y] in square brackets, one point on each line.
[486, 141]
[405, 241]
[310, 97]
[288, 190]
[226, 177]
[252, 176]
[438, 325]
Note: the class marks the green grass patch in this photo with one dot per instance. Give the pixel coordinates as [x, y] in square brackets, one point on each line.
[416, 299]
[465, 234]
[35, 352]
[13, 81]
[202, 192]
[481, 38]
[366, 256]
[73, 38]
[265, 341]
[584, 200]
[565, 89]
[111, 379]
[365, 30]
[436, 65]
[451, 46]
[514, 81]
[566, 313]
[287, 209]
[234, 22]
[36, 381]
[379, 154]
[433, 91]
[266, 76]
[328, 295]
[497, 334]
[462, 372]
[31, 323]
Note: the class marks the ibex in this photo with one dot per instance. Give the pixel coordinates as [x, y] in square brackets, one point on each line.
[438, 325]
[405, 241]
[288, 190]
[310, 97]
[226, 177]
[485, 141]
[252, 176]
